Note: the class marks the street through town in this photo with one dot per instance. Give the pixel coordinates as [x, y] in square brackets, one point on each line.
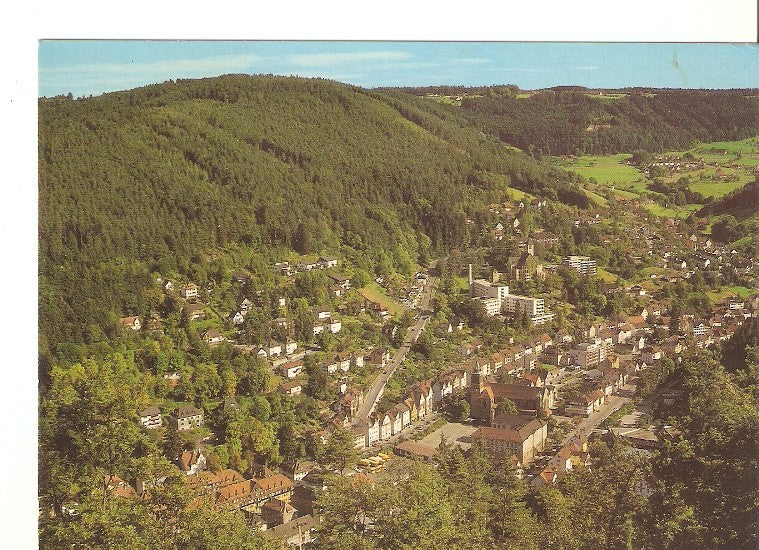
[374, 393]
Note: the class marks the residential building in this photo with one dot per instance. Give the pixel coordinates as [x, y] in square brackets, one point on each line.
[212, 336]
[132, 322]
[236, 318]
[582, 264]
[589, 354]
[189, 291]
[273, 349]
[291, 369]
[291, 388]
[379, 357]
[187, 418]
[150, 417]
[195, 311]
[290, 346]
[585, 404]
[296, 533]
[254, 493]
[325, 262]
[191, 462]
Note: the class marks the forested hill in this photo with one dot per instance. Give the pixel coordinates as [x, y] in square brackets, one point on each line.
[574, 120]
[152, 179]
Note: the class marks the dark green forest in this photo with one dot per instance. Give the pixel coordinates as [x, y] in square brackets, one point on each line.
[576, 121]
[154, 179]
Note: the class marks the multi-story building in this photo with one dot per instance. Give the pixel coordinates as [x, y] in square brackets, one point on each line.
[533, 308]
[189, 291]
[583, 264]
[589, 354]
[480, 288]
[514, 304]
[150, 417]
[492, 305]
[187, 418]
[496, 299]
[520, 435]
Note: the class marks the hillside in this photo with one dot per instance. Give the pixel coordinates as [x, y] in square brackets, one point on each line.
[576, 121]
[154, 179]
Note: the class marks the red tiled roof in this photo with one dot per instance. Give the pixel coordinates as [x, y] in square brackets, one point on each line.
[273, 482]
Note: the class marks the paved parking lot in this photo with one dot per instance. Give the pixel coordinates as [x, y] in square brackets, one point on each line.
[454, 432]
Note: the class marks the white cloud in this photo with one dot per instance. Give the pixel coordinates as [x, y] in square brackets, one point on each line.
[86, 78]
[332, 59]
[224, 63]
[471, 61]
[586, 68]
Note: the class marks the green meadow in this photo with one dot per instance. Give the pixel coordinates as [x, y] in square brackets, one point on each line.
[734, 159]
[730, 292]
[517, 195]
[674, 212]
[605, 169]
[596, 199]
[718, 189]
[376, 293]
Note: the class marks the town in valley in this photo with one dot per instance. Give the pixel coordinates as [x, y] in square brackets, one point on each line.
[321, 316]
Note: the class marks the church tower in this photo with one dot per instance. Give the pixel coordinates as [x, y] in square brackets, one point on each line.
[478, 383]
[530, 247]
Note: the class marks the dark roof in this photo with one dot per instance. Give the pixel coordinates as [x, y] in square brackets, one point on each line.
[515, 391]
[514, 421]
[487, 432]
[287, 530]
[416, 449]
[152, 410]
[186, 411]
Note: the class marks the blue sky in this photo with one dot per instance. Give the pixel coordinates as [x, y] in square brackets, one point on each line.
[94, 67]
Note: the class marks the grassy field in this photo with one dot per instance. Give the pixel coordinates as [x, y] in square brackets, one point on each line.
[596, 199]
[445, 100]
[606, 276]
[517, 195]
[677, 212]
[606, 96]
[605, 169]
[729, 292]
[461, 284]
[718, 189]
[376, 293]
[735, 158]
[743, 147]
[624, 195]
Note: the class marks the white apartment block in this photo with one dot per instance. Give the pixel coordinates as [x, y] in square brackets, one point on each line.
[492, 305]
[589, 354]
[514, 304]
[480, 288]
[583, 264]
[496, 299]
